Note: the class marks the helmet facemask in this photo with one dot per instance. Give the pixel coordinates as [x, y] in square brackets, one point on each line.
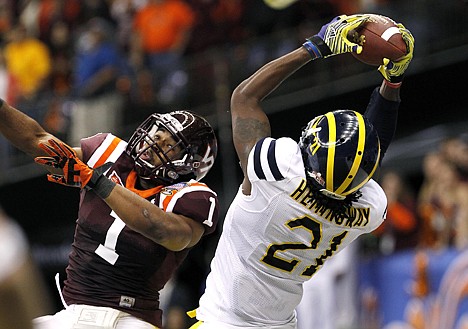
[180, 166]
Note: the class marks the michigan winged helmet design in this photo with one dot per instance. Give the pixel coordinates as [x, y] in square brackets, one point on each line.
[341, 152]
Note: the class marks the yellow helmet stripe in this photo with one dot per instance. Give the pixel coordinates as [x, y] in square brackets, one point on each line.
[358, 155]
[331, 150]
[357, 187]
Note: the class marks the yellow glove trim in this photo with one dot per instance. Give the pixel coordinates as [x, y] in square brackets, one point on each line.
[336, 35]
[399, 67]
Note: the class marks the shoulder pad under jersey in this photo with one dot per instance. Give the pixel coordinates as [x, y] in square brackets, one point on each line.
[102, 148]
[274, 160]
[194, 200]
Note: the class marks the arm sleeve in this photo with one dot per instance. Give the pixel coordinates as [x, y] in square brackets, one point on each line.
[274, 160]
[199, 203]
[383, 114]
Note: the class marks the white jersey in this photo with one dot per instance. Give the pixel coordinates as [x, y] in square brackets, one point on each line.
[276, 238]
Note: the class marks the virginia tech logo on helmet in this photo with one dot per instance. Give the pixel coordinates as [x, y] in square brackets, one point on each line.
[173, 122]
[193, 136]
[208, 160]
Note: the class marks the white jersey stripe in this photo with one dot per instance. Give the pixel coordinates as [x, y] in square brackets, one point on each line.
[103, 147]
[184, 191]
[118, 151]
[100, 150]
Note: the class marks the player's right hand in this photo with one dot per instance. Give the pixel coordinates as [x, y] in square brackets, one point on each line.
[75, 172]
[393, 71]
[333, 37]
[63, 157]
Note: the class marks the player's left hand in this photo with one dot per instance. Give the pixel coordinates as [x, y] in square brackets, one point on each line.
[394, 71]
[75, 172]
[333, 36]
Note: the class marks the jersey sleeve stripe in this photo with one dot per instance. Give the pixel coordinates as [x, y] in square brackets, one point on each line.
[119, 149]
[108, 152]
[272, 161]
[265, 164]
[257, 160]
[110, 148]
[100, 150]
[182, 192]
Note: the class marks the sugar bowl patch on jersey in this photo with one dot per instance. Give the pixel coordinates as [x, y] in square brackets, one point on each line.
[275, 160]
[192, 199]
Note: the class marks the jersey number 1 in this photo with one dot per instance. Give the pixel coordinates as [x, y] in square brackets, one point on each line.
[107, 251]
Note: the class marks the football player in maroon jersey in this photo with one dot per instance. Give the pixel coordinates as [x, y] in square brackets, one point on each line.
[142, 207]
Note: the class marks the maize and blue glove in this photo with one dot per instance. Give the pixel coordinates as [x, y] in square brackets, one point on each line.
[394, 71]
[333, 37]
[75, 172]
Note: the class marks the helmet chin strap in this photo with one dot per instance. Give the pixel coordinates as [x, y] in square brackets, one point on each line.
[162, 172]
[172, 174]
[332, 195]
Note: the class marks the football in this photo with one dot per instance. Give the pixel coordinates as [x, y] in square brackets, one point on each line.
[380, 38]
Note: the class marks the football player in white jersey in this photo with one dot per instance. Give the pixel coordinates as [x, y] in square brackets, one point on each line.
[302, 202]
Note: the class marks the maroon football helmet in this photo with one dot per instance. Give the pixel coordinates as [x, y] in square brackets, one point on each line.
[192, 133]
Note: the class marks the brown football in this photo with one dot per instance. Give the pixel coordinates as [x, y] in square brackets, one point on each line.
[380, 38]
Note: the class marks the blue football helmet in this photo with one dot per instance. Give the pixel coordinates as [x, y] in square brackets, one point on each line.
[341, 152]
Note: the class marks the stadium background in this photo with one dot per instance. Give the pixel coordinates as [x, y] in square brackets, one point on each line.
[433, 108]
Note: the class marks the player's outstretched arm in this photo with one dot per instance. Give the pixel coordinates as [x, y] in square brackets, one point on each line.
[249, 121]
[23, 131]
[383, 111]
[173, 231]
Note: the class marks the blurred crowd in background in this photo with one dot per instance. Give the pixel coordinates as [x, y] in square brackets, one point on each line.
[62, 57]
[86, 66]
[127, 58]
[435, 215]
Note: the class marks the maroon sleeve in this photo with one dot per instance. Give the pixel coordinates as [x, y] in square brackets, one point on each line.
[201, 206]
[90, 144]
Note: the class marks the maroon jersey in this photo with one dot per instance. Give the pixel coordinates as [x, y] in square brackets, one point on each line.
[111, 265]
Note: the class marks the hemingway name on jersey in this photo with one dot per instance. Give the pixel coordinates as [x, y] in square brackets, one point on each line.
[353, 217]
